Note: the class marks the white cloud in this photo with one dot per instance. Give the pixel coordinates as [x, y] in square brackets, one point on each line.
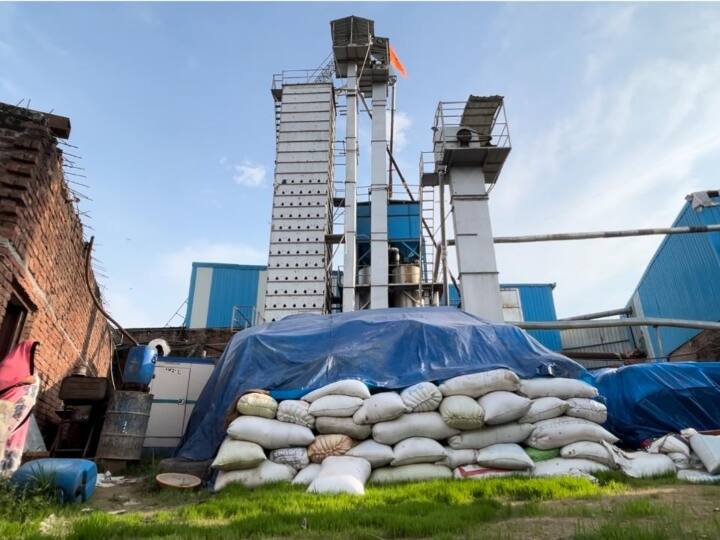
[249, 174]
[403, 123]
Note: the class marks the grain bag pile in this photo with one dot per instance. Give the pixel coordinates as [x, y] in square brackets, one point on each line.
[339, 437]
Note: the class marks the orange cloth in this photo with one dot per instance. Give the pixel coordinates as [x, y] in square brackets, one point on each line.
[397, 64]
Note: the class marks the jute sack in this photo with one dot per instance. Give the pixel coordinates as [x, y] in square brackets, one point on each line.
[234, 455]
[380, 408]
[343, 425]
[481, 438]
[427, 424]
[346, 387]
[556, 387]
[257, 404]
[422, 397]
[479, 384]
[295, 411]
[409, 473]
[378, 455]
[341, 474]
[462, 412]
[589, 409]
[543, 409]
[268, 433]
[502, 407]
[329, 445]
[265, 473]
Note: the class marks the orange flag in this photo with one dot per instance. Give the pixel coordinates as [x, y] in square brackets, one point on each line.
[397, 64]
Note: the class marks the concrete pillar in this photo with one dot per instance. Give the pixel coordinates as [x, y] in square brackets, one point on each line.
[379, 200]
[474, 245]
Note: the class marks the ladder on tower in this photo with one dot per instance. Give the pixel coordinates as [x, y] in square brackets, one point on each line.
[427, 212]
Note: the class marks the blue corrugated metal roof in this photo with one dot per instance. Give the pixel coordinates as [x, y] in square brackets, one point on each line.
[537, 304]
[682, 280]
[232, 285]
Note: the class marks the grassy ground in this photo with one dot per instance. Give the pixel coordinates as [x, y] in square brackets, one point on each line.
[501, 508]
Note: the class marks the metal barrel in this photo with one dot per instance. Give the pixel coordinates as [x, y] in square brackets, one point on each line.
[125, 424]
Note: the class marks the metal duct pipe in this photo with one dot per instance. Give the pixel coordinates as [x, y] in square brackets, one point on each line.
[379, 199]
[350, 223]
[635, 321]
[605, 234]
[598, 314]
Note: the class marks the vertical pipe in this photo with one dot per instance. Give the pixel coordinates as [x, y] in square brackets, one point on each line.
[378, 199]
[392, 139]
[350, 225]
[443, 238]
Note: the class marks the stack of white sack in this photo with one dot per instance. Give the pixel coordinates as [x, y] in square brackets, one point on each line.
[338, 437]
[696, 456]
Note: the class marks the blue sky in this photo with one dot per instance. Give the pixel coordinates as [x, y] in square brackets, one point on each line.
[614, 114]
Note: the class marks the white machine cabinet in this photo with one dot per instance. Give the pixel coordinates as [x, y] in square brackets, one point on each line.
[176, 388]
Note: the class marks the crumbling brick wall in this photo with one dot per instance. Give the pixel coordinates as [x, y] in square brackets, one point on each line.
[42, 256]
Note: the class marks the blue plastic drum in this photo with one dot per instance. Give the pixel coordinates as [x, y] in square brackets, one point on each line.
[73, 479]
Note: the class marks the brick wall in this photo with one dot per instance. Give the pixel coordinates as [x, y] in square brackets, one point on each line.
[42, 256]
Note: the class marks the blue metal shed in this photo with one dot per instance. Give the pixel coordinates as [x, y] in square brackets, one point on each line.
[403, 230]
[682, 281]
[537, 304]
[217, 291]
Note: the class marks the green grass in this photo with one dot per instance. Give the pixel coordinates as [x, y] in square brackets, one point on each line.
[438, 509]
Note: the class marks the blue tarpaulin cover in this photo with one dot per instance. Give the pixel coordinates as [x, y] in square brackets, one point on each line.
[385, 348]
[646, 401]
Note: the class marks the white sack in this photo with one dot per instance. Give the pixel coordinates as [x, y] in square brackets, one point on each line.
[427, 424]
[697, 477]
[380, 408]
[563, 420]
[346, 387]
[478, 472]
[680, 460]
[410, 473]
[343, 425]
[234, 455]
[456, 458]
[462, 412]
[707, 448]
[504, 456]
[265, 473]
[377, 454]
[481, 438]
[565, 467]
[588, 450]
[417, 450]
[305, 476]
[297, 458]
[335, 406]
[295, 411]
[257, 404]
[589, 409]
[341, 474]
[479, 384]
[543, 409]
[557, 387]
[642, 464]
[502, 407]
[559, 435]
[669, 444]
[268, 433]
[422, 397]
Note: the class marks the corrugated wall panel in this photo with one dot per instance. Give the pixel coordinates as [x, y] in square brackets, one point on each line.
[683, 280]
[232, 286]
[613, 339]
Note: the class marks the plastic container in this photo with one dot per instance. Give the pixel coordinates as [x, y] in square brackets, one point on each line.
[74, 479]
[140, 365]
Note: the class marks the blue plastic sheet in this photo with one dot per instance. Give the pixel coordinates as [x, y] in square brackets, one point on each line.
[646, 401]
[387, 348]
